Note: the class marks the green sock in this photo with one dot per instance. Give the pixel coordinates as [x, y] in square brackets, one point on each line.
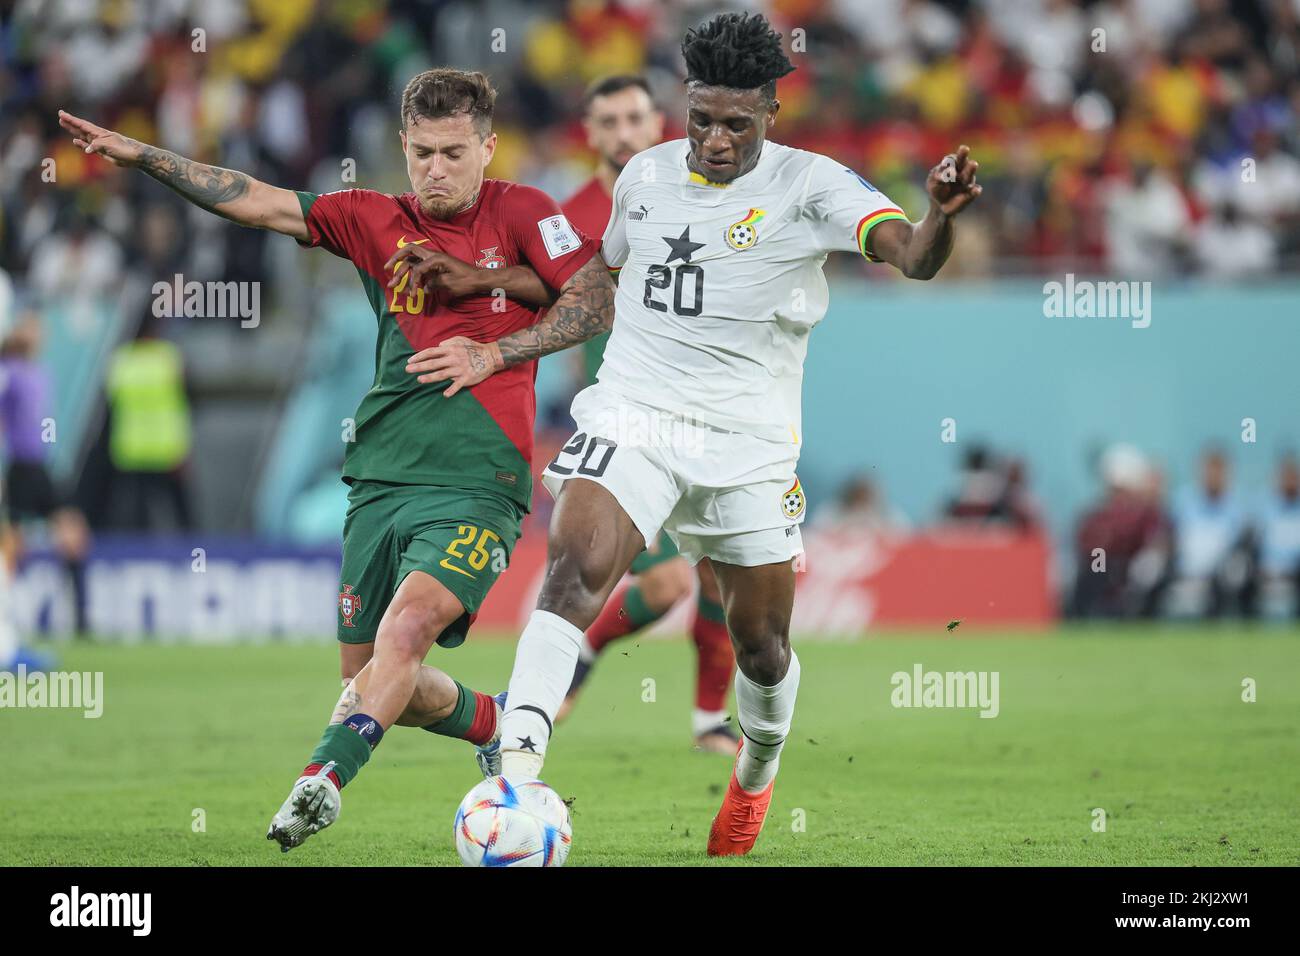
[457, 723]
[710, 610]
[347, 748]
[638, 615]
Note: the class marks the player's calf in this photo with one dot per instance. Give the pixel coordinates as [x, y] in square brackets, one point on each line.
[369, 705]
[758, 601]
[591, 544]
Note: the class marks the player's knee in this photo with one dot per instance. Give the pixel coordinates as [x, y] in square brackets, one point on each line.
[762, 650]
[666, 584]
[408, 631]
[577, 583]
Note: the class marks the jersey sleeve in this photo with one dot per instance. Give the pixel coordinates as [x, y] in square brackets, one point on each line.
[614, 246]
[544, 237]
[844, 208]
[334, 220]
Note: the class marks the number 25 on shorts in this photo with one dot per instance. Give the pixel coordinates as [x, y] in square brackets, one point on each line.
[478, 555]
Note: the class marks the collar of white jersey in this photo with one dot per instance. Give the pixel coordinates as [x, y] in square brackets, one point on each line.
[691, 177]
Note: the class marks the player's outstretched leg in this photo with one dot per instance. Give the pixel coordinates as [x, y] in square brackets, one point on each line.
[590, 546]
[645, 600]
[758, 603]
[381, 692]
[714, 663]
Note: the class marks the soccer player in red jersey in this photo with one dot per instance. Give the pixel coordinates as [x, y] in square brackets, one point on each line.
[621, 120]
[440, 476]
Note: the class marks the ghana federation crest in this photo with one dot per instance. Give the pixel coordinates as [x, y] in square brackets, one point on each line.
[741, 235]
[792, 502]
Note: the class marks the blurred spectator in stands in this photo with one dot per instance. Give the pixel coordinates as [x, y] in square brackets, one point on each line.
[149, 431]
[26, 418]
[1212, 544]
[80, 265]
[994, 491]
[1270, 194]
[1123, 533]
[861, 506]
[1146, 224]
[981, 488]
[7, 303]
[1279, 542]
[1231, 247]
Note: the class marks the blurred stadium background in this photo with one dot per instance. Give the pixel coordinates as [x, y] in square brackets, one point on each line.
[966, 451]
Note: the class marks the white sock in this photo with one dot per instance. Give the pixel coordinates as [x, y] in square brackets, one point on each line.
[764, 714]
[544, 662]
[702, 721]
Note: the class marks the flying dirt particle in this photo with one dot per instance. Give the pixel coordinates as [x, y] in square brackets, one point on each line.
[952, 625]
[813, 742]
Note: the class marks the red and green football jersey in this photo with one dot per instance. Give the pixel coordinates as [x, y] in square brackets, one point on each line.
[409, 433]
[588, 209]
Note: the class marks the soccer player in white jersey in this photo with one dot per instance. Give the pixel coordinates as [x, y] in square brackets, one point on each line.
[693, 424]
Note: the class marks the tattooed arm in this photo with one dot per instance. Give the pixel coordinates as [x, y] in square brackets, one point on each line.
[230, 194]
[584, 309]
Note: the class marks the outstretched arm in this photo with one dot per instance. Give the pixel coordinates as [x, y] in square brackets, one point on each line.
[584, 309]
[920, 249]
[230, 194]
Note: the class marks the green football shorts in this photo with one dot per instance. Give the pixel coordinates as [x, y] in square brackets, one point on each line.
[664, 550]
[462, 538]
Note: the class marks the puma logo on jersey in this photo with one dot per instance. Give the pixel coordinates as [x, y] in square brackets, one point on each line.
[402, 243]
[640, 213]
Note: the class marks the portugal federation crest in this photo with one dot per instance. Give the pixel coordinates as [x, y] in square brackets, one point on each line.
[792, 502]
[490, 259]
[741, 235]
[349, 605]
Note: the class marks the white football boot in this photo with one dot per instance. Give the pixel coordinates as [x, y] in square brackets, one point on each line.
[312, 805]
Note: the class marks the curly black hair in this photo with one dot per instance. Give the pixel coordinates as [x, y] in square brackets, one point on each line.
[736, 50]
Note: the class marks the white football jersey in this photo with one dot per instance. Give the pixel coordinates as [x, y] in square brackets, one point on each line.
[719, 285]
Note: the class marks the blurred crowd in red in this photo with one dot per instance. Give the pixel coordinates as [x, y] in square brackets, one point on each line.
[1139, 137]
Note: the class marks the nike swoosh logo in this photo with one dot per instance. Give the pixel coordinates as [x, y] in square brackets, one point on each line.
[452, 567]
[402, 243]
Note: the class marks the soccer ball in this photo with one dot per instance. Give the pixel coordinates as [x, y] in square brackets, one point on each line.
[524, 823]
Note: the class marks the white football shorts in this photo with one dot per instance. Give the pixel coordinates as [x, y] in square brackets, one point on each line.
[719, 494]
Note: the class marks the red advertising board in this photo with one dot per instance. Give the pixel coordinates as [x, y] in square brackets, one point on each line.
[851, 584]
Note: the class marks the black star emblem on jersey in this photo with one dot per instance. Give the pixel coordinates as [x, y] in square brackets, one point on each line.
[682, 246]
[526, 743]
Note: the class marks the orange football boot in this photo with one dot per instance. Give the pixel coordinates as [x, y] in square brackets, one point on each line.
[739, 820]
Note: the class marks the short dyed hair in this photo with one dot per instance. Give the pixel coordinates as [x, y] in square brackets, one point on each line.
[434, 94]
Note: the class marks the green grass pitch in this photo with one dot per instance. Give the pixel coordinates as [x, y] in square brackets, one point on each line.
[1148, 725]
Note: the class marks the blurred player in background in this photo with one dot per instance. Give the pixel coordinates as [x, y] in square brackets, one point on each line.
[26, 417]
[720, 240]
[621, 120]
[440, 477]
